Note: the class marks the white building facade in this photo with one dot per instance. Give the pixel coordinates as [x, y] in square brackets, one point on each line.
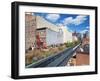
[54, 34]
[67, 36]
[50, 33]
[53, 37]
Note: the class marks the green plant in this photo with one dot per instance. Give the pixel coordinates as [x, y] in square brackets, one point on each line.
[71, 44]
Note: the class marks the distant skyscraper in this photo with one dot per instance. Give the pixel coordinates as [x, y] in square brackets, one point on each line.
[75, 38]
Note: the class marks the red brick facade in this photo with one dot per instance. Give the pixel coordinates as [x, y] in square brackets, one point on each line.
[30, 28]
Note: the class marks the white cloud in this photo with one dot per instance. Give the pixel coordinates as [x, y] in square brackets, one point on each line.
[76, 21]
[68, 20]
[83, 31]
[62, 25]
[79, 20]
[87, 27]
[53, 17]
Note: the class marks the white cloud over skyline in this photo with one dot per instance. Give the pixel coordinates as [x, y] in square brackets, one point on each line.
[83, 31]
[76, 21]
[53, 17]
[70, 21]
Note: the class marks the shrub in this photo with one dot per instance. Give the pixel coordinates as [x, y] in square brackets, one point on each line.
[71, 44]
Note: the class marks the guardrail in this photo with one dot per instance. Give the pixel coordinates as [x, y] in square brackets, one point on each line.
[55, 60]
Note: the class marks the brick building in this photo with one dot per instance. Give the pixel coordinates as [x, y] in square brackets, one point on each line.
[48, 33]
[83, 57]
[30, 29]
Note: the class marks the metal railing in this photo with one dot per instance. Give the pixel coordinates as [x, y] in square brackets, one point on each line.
[59, 59]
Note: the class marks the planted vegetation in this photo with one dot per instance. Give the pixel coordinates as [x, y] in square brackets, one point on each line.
[72, 44]
[35, 55]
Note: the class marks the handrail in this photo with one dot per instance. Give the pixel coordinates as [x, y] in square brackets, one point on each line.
[54, 60]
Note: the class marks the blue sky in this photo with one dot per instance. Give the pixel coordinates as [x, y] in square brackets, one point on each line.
[73, 22]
